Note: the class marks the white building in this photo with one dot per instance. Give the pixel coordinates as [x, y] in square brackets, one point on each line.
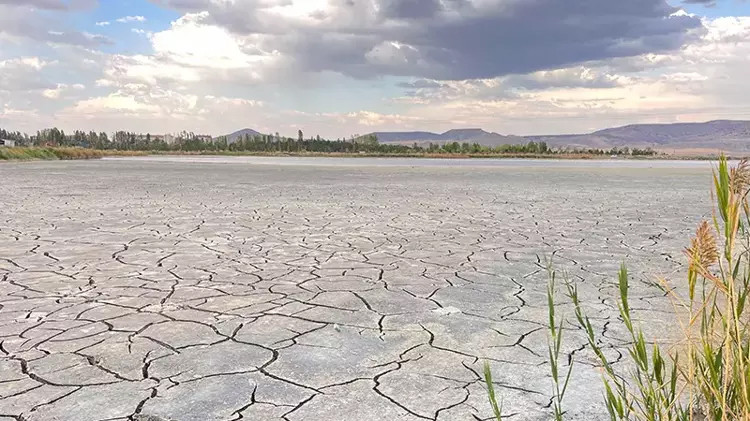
[7, 142]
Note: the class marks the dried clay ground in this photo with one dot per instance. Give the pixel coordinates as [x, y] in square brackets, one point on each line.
[202, 289]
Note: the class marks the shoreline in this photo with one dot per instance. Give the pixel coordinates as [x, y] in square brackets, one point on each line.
[16, 154]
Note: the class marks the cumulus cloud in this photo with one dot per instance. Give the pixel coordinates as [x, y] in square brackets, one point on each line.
[23, 74]
[190, 53]
[115, 102]
[62, 89]
[512, 87]
[128, 19]
[160, 111]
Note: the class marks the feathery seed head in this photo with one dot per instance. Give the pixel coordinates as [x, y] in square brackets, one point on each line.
[739, 178]
[703, 251]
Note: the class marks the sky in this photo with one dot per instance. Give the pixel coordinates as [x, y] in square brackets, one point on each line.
[338, 68]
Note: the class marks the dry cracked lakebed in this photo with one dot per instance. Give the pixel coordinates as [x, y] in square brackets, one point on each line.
[298, 289]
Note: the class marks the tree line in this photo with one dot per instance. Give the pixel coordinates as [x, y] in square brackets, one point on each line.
[274, 143]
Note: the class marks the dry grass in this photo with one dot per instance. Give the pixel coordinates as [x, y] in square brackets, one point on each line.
[51, 153]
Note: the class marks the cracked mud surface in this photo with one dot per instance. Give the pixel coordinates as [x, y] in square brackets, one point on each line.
[147, 290]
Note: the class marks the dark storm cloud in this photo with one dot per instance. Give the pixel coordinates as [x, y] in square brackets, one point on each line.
[547, 34]
[410, 9]
[457, 39]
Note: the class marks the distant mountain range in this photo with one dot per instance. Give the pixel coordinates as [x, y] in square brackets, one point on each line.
[732, 136]
[456, 135]
[725, 135]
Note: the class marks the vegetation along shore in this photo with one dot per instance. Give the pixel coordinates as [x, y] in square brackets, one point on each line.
[56, 153]
[56, 144]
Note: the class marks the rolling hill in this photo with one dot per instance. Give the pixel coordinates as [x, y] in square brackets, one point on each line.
[233, 137]
[712, 136]
[456, 135]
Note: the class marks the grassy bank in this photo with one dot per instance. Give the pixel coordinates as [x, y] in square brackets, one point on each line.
[26, 154]
[54, 153]
[34, 153]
